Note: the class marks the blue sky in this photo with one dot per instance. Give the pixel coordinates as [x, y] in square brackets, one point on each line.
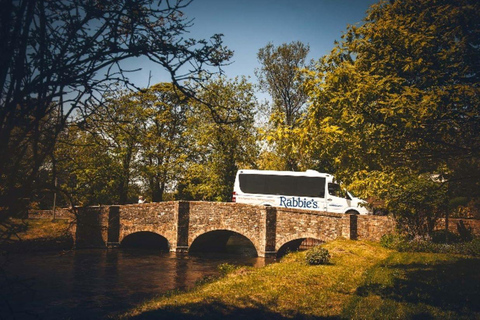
[249, 25]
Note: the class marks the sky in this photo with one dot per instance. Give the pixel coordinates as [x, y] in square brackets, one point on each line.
[248, 25]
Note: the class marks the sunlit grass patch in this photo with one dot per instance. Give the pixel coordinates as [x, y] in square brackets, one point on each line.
[45, 229]
[419, 285]
[35, 234]
[291, 288]
[32, 229]
[362, 281]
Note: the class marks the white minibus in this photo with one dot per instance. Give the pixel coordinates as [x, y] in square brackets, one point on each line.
[309, 190]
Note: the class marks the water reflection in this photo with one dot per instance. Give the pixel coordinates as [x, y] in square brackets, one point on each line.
[89, 284]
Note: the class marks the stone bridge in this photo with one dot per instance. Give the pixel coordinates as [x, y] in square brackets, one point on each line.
[184, 224]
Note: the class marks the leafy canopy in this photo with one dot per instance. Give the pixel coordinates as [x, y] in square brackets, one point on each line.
[398, 98]
[280, 75]
[59, 56]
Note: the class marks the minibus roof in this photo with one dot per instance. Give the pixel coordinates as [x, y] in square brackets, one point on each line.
[308, 173]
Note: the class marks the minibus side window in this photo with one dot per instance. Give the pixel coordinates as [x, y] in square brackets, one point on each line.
[282, 185]
[311, 187]
[252, 183]
[335, 190]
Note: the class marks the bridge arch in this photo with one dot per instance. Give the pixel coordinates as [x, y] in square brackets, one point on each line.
[294, 243]
[217, 240]
[145, 239]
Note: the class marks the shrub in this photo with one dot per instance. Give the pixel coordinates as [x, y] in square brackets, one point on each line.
[226, 268]
[403, 244]
[317, 255]
[205, 280]
[392, 240]
[440, 236]
[471, 248]
[420, 245]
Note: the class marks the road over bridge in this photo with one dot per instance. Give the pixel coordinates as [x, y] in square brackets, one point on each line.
[183, 225]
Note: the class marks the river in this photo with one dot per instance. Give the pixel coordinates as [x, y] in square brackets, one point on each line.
[94, 284]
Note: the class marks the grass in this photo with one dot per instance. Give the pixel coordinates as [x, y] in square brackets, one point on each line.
[35, 234]
[418, 286]
[362, 281]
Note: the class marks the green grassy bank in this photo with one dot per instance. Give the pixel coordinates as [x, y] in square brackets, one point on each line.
[25, 235]
[363, 281]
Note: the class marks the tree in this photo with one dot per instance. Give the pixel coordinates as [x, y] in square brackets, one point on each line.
[398, 100]
[220, 149]
[134, 141]
[117, 125]
[57, 58]
[280, 75]
[164, 144]
[86, 171]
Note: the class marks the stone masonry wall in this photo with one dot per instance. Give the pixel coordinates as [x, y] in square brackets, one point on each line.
[374, 227]
[157, 217]
[457, 225]
[91, 229]
[268, 228]
[294, 224]
[246, 220]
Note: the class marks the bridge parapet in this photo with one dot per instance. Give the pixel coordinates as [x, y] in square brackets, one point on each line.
[292, 224]
[182, 222]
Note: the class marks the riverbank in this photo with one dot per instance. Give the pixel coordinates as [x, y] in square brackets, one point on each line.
[363, 281]
[31, 235]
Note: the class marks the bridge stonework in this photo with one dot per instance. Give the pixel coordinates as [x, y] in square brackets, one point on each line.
[182, 222]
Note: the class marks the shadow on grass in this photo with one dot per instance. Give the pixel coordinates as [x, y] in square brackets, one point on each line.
[217, 310]
[449, 286]
[37, 245]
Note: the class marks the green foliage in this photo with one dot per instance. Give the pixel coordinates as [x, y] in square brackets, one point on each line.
[226, 268]
[443, 236]
[163, 142]
[69, 53]
[133, 137]
[205, 280]
[280, 75]
[416, 202]
[86, 173]
[284, 144]
[222, 139]
[155, 141]
[455, 246]
[391, 240]
[317, 255]
[395, 106]
[471, 248]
